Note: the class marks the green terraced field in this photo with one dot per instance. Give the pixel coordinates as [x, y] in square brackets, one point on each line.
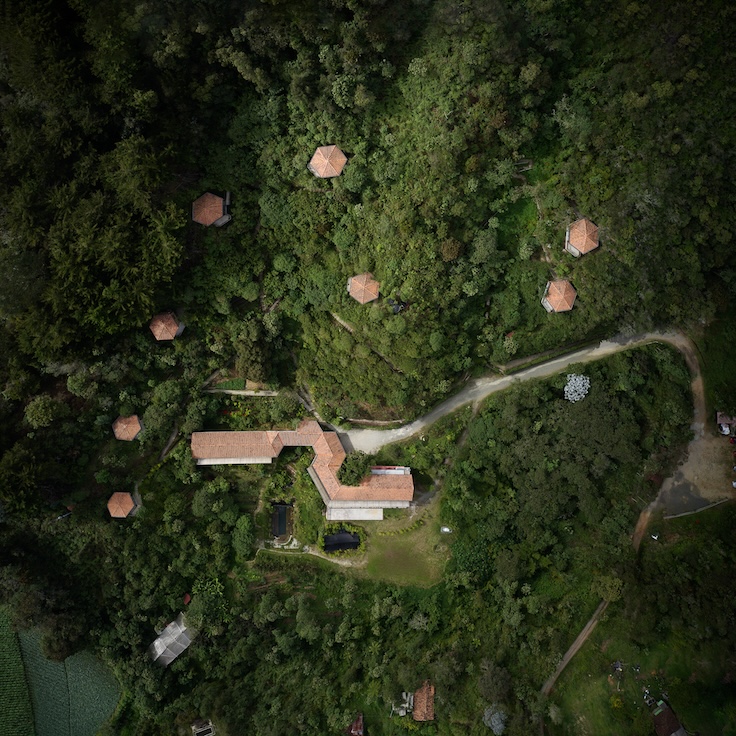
[70, 698]
[15, 702]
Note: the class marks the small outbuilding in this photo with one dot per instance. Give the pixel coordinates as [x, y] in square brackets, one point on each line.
[424, 703]
[328, 161]
[581, 238]
[127, 428]
[356, 727]
[665, 721]
[281, 522]
[121, 505]
[363, 288]
[166, 326]
[559, 296]
[341, 541]
[202, 727]
[171, 642]
[211, 209]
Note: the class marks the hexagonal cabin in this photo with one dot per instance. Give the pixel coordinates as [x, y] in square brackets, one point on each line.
[363, 288]
[581, 238]
[327, 161]
[559, 296]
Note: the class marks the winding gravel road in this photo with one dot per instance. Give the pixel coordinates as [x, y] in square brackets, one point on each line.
[371, 440]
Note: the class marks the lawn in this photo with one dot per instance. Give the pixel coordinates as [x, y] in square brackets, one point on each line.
[407, 551]
[15, 701]
[74, 697]
[718, 355]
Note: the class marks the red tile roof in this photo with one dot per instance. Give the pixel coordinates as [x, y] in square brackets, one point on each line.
[665, 721]
[356, 727]
[126, 428]
[120, 505]
[363, 288]
[224, 445]
[208, 208]
[424, 703]
[583, 236]
[327, 161]
[329, 455]
[560, 296]
[164, 326]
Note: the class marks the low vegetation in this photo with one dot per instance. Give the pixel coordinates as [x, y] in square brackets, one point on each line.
[15, 701]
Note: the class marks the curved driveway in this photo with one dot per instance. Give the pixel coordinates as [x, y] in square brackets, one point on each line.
[371, 440]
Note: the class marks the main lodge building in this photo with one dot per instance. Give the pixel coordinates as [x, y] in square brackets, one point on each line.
[386, 486]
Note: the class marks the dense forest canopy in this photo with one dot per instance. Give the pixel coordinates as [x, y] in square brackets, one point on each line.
[475, 131]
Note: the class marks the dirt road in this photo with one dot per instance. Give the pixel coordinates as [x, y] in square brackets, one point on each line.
[572, 651]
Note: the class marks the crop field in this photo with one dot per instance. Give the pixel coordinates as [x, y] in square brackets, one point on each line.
[70, 698]
[15, 702]
[94, 692]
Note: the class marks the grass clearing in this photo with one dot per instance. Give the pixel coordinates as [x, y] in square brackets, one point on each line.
[415, 557]
[696, 676]
[15, 700]
[717, 347]
[74, 697]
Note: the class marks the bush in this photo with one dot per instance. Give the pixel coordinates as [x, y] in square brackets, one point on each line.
[354, 468]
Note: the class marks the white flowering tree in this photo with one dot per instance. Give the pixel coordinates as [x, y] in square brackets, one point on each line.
[577, 387]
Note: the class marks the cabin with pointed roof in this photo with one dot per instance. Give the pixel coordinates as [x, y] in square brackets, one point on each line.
[211, 209]
[581, 238]
[127, 428]
[121, 505]
[424, 703]
[559, 296]
[166, 326]
[328, 161]
[385, 487]
[363, 288]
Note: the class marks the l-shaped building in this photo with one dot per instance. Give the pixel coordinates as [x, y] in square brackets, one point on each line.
[386, 486]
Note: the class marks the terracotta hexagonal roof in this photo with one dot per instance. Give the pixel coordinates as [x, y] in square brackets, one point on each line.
[560, 296]
[364, 288]
[126, 428]
[120, 505]
[327, 161]
[208, 208]
[583, 236]
[164, 326]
